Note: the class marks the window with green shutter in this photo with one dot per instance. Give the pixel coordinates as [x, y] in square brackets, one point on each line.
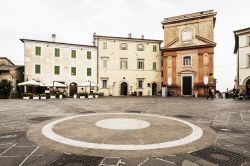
[140, 47]
[73, 53]
[88, 54]
[37, 69]
[38, 50]
[154, 65]
[105, 45]
[88, 71]
[57, 52]
[57, 69]
[154, 48]
[73, 71]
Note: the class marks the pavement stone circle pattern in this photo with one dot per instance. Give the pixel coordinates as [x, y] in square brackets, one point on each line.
[229, 118]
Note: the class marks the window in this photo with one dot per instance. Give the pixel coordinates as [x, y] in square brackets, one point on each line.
[140, 83]
[124, 63]
[154, 48]
[104, 83]
[88, 71]
[140, 64]
[38, 50]
[187, 61]
[123, 46]
[104, 63]
[248, 61]
[73, 53]
[37, 69]
[154, 65]
[140, 47]
[57, 70]
[187, 35]
[73, 71]
[57, 52]
[88, 54]
[105, 45]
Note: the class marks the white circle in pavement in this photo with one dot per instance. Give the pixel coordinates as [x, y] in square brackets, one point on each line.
[122, 124]
[196, 134]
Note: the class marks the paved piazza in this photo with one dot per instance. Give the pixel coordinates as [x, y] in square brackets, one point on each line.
[125, 131]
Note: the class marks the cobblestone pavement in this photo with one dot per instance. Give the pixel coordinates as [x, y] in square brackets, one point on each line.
[229, 118]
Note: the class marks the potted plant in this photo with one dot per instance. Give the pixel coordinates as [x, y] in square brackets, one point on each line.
[95, 95]
[52, 95]
[35, 97]
[60, 95]
[43, 96]
[75, 96]
[82, 95]
[26, 96]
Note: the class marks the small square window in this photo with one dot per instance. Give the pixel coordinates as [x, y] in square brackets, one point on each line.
[140, 84]
[88, 54]
[105, 45]
[140, 47]
[123, 46]
[38, 50]
[104, 83]
[88, 71]
[154, 65]
[154, 48]
[37, 69]
[57, 70]
[57, 52]
[73, 71]
[73, 53]
[140, 64]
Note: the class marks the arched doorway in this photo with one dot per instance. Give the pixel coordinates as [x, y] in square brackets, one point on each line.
[154, 89]
[124, 89]
[72, 89]
[248, 87]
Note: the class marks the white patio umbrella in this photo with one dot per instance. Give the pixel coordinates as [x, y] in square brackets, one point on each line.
[29, 83]
[56, 84]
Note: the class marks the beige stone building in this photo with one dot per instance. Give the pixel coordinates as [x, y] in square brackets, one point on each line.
[242, 51]
[128, 66]
[71, 64]
[11, 72]
[188, 53]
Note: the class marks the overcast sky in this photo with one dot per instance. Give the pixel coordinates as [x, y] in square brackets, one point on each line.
[74, 21]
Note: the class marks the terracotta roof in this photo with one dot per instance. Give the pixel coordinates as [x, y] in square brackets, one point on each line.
[51, 42]
[7, 60]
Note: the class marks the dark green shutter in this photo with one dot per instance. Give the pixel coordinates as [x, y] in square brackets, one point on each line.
[73, 53]
[88, 54]
[88, 71]
[57, 52]
[73, 71]
[37, 69]
[57, 69]
[38, 50]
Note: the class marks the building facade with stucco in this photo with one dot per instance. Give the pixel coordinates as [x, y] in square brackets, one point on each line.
[188, 53]
[70, 64]
[128, 66]
[242, 52]
[11, 72]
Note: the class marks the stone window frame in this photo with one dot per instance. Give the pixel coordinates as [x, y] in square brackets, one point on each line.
[106, 85]
[140, 86]
[191, 61]
[140, 64]
[122, 63]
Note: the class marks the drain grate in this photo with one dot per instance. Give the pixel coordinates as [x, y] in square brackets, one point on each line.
[12, 135]
[41, 118]
[183, 116]
[221, 156]
[87, 112]
[71, 159]
[134, 111]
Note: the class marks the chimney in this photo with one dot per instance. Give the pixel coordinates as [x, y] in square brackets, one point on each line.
[142, 36]
[53, 37]
[94, 33]
[129, 35]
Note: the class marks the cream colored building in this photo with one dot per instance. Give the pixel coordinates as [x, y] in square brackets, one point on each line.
[128, 65]
[242, 50]
[71, 64]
